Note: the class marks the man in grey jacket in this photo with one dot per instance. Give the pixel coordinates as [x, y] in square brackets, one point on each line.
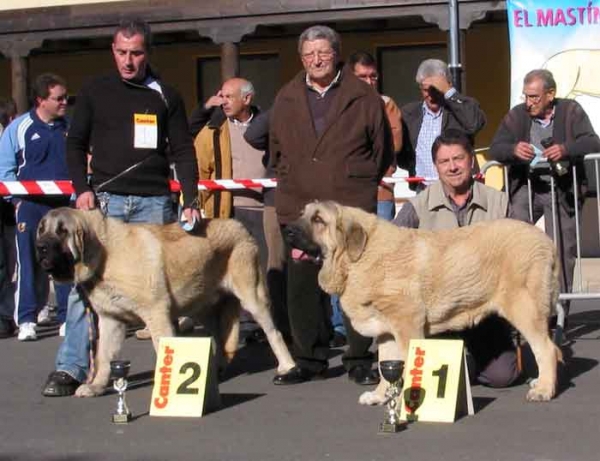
[557, 130]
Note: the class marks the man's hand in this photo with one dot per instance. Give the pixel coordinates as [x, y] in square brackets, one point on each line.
[86, 201]
[214, 101]
[555, 152]
[524, 151]
[191, 214]
[437, 84]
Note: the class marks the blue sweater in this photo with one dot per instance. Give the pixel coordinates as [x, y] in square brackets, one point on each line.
[31, 149]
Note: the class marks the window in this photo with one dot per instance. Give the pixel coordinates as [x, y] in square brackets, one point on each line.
[398, 67]
[261, 69]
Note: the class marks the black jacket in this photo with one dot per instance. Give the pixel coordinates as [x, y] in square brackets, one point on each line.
[460, 112]
[103, 121]
[572, 127]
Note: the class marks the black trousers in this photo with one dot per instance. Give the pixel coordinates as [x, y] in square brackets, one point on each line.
[309, 311]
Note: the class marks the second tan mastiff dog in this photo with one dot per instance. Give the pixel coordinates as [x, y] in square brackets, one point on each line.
[396, 284]
[154, 273]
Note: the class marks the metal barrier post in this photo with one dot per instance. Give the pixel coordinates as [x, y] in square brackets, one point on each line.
[577, 230]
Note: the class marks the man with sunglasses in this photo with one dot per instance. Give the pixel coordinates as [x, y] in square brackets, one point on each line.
[559, 131]
[33, 148]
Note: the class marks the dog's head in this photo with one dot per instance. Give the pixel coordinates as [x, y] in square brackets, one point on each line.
[327, 230]
[67, 246]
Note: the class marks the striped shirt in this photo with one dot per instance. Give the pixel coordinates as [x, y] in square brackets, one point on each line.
[431, 128]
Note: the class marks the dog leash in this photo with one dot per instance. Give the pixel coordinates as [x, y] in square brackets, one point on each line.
[123, 173]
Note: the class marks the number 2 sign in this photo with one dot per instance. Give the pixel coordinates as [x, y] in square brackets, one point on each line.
[185, 380]
[436, 385]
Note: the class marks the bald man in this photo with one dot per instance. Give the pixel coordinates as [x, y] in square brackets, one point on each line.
[223, 153]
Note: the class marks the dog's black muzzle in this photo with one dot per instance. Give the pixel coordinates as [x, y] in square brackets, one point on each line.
[299, 239]
[51, 256]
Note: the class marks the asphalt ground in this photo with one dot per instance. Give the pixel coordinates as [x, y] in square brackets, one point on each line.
[318, 420]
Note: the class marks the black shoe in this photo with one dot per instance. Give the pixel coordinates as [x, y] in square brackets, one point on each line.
[297, 375]
[338, 340]
[7, 328]
[363, 376]
[60, 384]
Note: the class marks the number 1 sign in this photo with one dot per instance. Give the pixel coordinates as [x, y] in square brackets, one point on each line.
[185, 379]
[436, 382]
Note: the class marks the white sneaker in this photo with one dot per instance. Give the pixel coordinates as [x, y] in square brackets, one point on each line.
[46, 316]
[62, 329]
[27, 332]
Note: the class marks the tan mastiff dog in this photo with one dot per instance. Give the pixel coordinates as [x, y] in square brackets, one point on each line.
[396, 284]
[154, 273]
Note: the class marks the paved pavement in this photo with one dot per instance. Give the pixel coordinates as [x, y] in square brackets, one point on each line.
[318, 420]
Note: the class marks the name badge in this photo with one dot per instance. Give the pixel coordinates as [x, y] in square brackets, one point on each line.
[146, 131]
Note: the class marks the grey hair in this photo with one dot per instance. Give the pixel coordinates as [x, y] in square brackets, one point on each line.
[542, 74]
[247, 88]
[432, 68]
[320, 33]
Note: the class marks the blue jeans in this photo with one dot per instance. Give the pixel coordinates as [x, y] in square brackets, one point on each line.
[386, 209]
[337, 320]
[73, 355]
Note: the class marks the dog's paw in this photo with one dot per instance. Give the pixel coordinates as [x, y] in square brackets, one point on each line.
[539, 395]
[371, 398]
[88, 390]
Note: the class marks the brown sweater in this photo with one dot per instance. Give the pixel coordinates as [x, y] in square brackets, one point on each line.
[345, 163]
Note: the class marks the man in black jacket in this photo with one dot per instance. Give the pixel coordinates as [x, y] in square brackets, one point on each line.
[129, 121]
[442, 107]
[557, 130]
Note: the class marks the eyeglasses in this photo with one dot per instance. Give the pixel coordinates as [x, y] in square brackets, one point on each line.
[368, 78]
[62, 98]
[323, 55]
[534, 98]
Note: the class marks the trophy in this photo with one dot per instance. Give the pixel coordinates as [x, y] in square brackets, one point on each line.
[391, 370]
[119, 370]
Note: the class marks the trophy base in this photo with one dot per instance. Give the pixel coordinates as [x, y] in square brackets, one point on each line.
[391, 428]
[121, 419]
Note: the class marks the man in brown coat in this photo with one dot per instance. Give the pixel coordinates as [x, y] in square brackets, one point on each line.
[329, 140]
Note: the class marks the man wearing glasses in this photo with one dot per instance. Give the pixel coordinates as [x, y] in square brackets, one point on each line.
[329, 140]
[33, 148]
[442, 107]
[559, 131]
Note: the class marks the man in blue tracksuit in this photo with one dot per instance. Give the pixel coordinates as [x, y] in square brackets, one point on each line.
[33, 148]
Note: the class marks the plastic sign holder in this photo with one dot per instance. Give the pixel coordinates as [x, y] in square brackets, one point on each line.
[436, 382]
[185, 378]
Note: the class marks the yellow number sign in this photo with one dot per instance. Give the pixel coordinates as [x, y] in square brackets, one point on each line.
[436, 385]
[185, 379]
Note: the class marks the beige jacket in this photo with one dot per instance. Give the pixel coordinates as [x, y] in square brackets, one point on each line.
[435, 211]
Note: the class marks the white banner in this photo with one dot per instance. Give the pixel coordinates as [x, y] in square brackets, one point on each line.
[564, 37]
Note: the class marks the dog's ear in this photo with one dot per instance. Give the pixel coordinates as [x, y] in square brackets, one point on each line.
[356, 239]
[75, 243]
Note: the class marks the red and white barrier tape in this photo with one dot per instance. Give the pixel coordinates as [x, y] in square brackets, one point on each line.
[65, 187]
